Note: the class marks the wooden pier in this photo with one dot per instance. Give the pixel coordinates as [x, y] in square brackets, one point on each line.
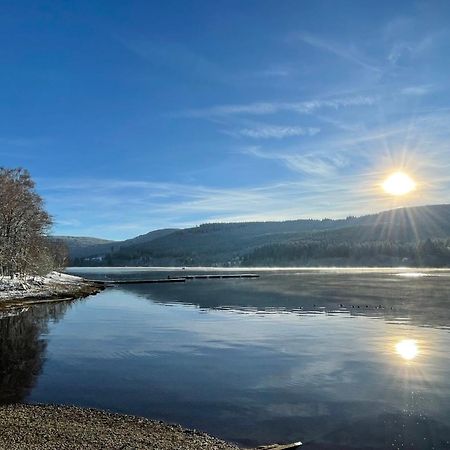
[215, 276]
[156, 280]
[179, 279]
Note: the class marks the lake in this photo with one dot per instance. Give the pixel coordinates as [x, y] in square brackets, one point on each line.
[334, 358]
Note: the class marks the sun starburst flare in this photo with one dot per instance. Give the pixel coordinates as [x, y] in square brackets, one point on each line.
[399, 183]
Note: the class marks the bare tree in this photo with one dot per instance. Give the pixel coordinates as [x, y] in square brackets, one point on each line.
[24, 224]
[59, 254]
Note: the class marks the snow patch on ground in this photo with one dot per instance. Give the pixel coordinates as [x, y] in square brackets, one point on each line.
[29, 286]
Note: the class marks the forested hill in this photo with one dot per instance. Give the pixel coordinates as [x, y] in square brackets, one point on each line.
[76, 244]
[85, 247]
[407, 236]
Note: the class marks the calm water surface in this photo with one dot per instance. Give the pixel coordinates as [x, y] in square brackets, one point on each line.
[337, 359]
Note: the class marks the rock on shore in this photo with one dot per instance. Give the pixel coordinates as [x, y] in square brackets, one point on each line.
[31, 427]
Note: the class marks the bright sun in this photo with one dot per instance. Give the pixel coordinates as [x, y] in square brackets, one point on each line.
[399, 183]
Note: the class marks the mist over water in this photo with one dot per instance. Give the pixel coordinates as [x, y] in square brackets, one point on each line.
[335, 358]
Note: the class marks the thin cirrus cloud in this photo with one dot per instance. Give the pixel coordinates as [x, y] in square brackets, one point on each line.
[418, 90]
[173, 56]
[264, 108]
[312, 164]
[277, 131]
[404, 50]
[349, 53]
[178, 57]
[418, 144]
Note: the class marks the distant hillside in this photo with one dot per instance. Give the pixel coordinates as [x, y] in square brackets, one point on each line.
[74, 243]
[390, 237]
[96, 248]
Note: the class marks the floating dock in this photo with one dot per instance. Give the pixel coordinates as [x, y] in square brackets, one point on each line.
[160, 280]
[212, 276]
[179, 279]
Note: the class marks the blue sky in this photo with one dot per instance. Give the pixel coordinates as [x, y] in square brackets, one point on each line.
[133, 116]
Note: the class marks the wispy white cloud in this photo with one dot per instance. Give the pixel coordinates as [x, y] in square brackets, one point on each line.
[316, 164]
[264, 108]
[418, 90]
[399, 51]
[179, 57]
[349, 53]
[403, 52]
[405, 43]
[277, 131]
[174, 56]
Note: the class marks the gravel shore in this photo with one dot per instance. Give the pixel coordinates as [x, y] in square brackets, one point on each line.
[49, 427]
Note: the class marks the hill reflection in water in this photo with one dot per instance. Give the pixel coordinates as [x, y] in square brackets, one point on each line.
[420, 298]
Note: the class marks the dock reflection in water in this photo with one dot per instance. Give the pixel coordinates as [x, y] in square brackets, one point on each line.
[338, 360]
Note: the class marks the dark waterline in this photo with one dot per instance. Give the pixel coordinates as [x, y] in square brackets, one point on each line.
[293, 355]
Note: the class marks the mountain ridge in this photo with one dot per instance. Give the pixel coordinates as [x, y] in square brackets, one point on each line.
[226, 244]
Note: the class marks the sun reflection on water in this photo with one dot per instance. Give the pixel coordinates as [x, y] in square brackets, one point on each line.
[407, 349]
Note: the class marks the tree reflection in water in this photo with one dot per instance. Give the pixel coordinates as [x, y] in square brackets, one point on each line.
[22, 349]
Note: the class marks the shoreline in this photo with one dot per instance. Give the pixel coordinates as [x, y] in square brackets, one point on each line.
[70, 427]
[55, 287]
[60, 427]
